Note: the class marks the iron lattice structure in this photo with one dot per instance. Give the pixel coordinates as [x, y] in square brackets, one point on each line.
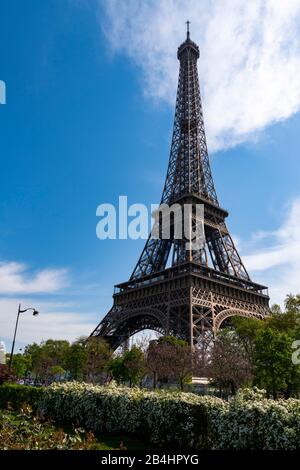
[203, 287]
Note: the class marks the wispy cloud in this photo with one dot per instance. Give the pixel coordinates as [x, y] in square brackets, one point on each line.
[17, 278]
[66, 311]
[250, 57]
[274, 259]
[56, 320]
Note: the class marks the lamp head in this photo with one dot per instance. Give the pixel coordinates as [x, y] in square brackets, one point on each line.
[35, 312]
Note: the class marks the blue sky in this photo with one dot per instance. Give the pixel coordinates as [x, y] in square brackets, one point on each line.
[90, 102]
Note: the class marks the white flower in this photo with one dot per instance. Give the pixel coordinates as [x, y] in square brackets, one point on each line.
[248, 421]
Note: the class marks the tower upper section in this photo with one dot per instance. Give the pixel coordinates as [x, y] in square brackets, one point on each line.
[189, 169]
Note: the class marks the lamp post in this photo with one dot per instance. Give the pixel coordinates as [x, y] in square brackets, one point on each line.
[34, 313]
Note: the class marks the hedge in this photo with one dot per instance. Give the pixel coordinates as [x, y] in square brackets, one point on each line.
[168, 419]
[259, 424]
[185, 420]
[164, 418]
[15, 396]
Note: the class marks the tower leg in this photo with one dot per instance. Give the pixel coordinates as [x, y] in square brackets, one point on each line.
[125, 345]
[191, 320]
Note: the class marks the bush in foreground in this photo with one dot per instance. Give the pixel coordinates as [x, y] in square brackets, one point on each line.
[14, 396]
[184, 420]
[254, 422]
[168, 419]
[23, 431]
[164, 418]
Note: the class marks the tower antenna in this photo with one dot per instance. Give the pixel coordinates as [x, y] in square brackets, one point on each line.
[188, 29]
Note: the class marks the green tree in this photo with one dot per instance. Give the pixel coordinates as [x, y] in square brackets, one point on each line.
[56, 372]
[292, 303]
[129, 367]
[20, 365]
[230, 365]
[33, 352]
[134, 364]
[273, 361]
[275, 308]
[117, 369]
[98, 356]
[39, 365]
[76, 361]
[247, 330]
[45, 355]
[56, 351]
[287, 322]
[170, 359]
[172, 341]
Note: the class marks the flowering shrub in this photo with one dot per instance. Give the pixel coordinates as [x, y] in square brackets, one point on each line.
[165, 418]
[263, 424]
[248, 421]
[250, 394]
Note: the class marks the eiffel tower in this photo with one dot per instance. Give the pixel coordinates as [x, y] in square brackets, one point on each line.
[200, 289]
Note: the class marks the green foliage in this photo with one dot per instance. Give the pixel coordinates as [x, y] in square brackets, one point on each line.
[130, 367]
[117, 369]
[275, 308]
[57, 372]
[98, 356]
[85, 359]
[15, 396]
[45, 356]
[274, 369]
[268, 345]
[172, 340]
[24, 431]
[292, 303]
[20, 365]
[247, 330]
[134, 363]
[285, 322]
[77, 359]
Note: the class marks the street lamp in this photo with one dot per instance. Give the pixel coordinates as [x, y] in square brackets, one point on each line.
[34, 313]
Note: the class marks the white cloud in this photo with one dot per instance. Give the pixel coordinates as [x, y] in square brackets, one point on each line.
[16, 278]
[277, 262]
[250, 57]
[56, 321]
[68, 317]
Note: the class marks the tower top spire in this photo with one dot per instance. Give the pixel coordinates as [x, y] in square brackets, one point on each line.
[188, 44]
[188, 29]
